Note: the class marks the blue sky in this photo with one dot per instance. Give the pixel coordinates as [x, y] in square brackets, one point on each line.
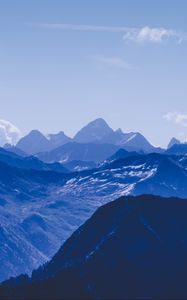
[65, 63]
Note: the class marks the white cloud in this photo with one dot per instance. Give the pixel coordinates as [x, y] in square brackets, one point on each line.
[142, 34]
[176, 118]
[115, 62]
[155, 35]
[8, 133]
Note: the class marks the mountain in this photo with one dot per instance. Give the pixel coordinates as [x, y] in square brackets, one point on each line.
[4, 151]
[121, 154]
[177, 149]
[97, 152]
[48, 206]
[136, 141]
[23, 226]
[156, 174]
[172, 142]
[132, 141]
[98, 131]
[131, 248]
[79, 165]
[36, 142]
[114, 137]
[33, 143]
[58, 139]
[15, 150]
[94, 132]
[30, 162]
[78, 151]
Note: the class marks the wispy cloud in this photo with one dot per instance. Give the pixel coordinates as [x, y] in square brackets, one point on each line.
[176, 118]
[84, 27]
[114, 62]
[142, 34]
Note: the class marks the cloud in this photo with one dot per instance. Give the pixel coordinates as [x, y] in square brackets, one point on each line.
[114, 62]
[155, 35]
[83, 27]
[176, 118]
[8, 133]
[142, 34]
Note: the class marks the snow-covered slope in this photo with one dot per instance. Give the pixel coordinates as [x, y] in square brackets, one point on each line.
[40, 209]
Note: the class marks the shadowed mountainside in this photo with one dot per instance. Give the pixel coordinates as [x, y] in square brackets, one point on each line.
[131, 248]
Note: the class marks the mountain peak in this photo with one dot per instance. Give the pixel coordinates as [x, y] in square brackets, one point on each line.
[33, 142]
[60, 133]
[119, 131]
[93, 132]
[58, 139]
[99, 122]
[35, 132]
[172, 142]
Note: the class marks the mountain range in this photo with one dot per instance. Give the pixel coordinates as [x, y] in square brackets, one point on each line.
[29, 162]
[96, 132]
[131, 248]
[94, 143]
[50, 185]
[42, 204]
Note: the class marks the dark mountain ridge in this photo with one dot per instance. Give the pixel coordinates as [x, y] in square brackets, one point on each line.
[29, 162]
[131, 248]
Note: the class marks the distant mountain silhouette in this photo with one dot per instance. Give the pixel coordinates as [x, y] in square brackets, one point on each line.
[30, 162]
[99, 131]
[114, 137]
[79, 151]
[58, 139]
[172, 142]
[33, 143]
[36, 142]
[133, 141]
[131, 248]
[137, 141]
[94, 132]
